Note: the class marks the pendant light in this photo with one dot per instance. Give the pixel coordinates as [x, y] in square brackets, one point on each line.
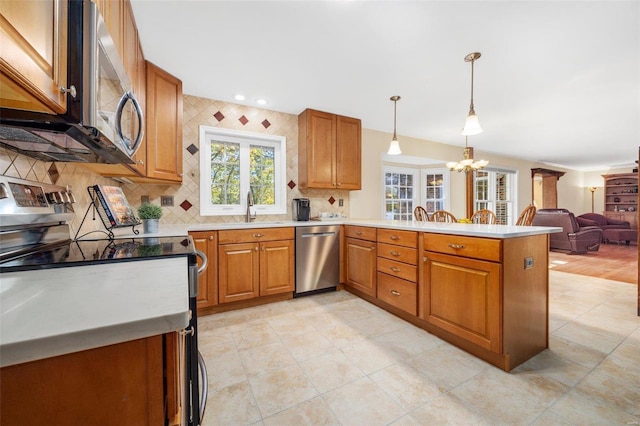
[394, 146]
[472, 126]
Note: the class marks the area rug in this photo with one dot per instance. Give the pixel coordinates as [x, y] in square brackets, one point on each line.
[611, 261]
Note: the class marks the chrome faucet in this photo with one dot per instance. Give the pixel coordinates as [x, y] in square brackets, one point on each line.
[249, 217]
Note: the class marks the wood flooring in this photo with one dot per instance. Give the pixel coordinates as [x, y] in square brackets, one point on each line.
[611, 261]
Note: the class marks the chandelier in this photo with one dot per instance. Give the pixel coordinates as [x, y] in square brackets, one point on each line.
[468, 164]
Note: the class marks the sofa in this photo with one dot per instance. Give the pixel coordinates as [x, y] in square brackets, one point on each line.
[574, 238]
[601, 221]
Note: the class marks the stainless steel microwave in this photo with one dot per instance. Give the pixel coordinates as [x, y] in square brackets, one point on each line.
[104, 122]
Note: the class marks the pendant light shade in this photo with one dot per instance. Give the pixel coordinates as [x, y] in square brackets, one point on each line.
[472, 125]
[394, 146]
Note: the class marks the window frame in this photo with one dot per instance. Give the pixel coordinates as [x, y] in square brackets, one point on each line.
[414, 171]
[446, 186]
[491, 201]
[209, 134]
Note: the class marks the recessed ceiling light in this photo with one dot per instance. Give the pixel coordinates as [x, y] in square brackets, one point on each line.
[261, 101]
[239, 97]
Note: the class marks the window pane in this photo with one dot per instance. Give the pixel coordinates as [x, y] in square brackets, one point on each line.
[225, 173]
[398, 196]
[262, 174]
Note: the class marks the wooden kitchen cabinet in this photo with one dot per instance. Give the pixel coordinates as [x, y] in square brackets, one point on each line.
[397, 265]
[164, 125]
[620, 194]
[103, 386]
[33, 55]
[255, 262]
[360, 259]
[207, 242]
[329, 151]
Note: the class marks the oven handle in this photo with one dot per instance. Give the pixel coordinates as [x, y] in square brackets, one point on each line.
[202, 256]
[202, 368]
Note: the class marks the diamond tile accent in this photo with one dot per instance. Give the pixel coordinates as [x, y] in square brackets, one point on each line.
[186, 205]
[54, 175]
[192, 149]
[219, 116]
[332, 200]
[291, 184]
[244, 120]
[266, 123]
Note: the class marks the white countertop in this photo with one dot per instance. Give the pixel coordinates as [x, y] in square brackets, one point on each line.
[56, 311]
[467, 229]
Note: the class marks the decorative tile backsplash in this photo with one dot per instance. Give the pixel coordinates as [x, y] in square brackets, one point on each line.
[186, 207]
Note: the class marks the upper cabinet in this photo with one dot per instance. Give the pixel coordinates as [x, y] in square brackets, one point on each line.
[164, 125]
[329, 151]
[33, 55]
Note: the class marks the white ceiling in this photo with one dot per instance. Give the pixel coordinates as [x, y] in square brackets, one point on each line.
[558, 81]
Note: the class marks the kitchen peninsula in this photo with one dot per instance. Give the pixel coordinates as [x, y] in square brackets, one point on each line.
[483, 288]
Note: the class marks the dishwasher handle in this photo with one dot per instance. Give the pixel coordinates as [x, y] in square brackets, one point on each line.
[319, 234]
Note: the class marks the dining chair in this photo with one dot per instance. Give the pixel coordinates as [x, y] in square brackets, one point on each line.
[484, 216]
[527, 215]
[443, 216]
[419, 213]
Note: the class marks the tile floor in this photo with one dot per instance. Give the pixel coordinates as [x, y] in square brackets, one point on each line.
[334, 359]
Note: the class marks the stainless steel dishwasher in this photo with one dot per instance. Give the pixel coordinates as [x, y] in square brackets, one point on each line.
[317, 259]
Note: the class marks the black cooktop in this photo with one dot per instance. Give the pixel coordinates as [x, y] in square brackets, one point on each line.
[85, 252]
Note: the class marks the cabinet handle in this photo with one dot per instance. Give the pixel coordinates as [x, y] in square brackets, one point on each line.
[424, 259]
[71, 90]
[262, 248]
[394, 269]
[210, 237]
[394, 292]
[255, 248]
[258, 235]
[140, 163]
[358, 232]
[339, 184]
[395, 237]
[394, 253]
[456, 246]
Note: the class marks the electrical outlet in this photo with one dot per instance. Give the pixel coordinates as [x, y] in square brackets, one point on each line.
[340, 202]
[166, 200]
[528, 262]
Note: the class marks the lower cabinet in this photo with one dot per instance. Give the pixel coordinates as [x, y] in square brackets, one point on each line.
[463, 297]
[255, 262]
[207, 242]
[360, 265]
[116, 384]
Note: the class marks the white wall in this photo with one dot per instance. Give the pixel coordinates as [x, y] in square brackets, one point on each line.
[367, 203]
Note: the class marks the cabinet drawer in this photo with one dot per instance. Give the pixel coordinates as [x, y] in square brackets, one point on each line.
[360, 232]
[399, 253]
[401, 238]
[398, 269]
[474, 247]
[254, 235]
[399, 293]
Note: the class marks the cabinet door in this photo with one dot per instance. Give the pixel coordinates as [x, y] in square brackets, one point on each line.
[238, 272]
[33, 55]
[276, 267]
[361, 265]
[319, 150]
[462, 296]
[164, 125]
[207, 243]
[348, 155]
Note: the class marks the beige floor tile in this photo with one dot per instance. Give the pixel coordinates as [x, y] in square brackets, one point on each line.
[309, 345]
[312, 412]
[592, 337]
[623, 394]
[549, 364]
[290, 324]
[233, 405]
[549, 418]
[444, 410]
[330, 371]
[447, 366]
[363, 403]
[265, 358]
[370, 356]
[233, 371]
[212, 345]
[575, 352]
[350, 311]
[585, 409]
[376, 324]
[255, 334]
[623, 364]
[278, 390]
[341, 334]
[408, 341]
[405, 385]
[634, 338]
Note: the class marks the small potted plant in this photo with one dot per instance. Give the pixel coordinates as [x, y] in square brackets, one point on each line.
[150, 215]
